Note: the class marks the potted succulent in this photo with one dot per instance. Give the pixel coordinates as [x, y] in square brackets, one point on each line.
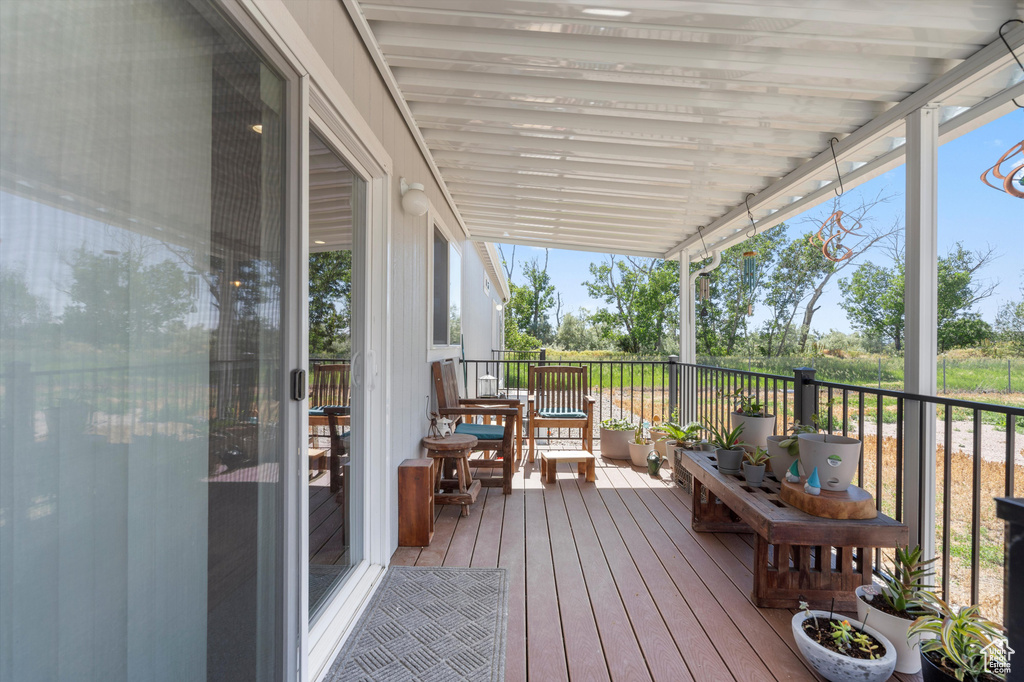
[614, 436]
[840, 649]
[682, 436]
[727, 447]
[753, 467]
[891, 606]
[640, 446]
[958, 644]
[757, 423]
[783, 450]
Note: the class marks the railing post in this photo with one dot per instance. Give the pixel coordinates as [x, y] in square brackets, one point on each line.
[673, 384]
[805, 401]
[543, 356]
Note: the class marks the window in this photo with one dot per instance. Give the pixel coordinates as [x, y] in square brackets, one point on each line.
[446, 306]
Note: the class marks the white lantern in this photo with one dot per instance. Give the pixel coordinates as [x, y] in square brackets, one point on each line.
[487, 386]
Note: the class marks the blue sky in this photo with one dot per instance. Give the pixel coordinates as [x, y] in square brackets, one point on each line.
[969, 212]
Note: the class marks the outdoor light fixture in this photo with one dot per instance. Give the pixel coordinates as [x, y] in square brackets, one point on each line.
[257, 128]
[487, 386]
[603, 12]
[319, 241]
[414, 199]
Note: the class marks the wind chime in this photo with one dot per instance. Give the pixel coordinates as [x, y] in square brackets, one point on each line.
[832, 231]
[703, 280]
[1012, 181]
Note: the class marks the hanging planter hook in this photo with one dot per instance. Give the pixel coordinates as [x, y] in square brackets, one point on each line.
[700, 231]
[832, 145]
[1012, 54]
[750, 216]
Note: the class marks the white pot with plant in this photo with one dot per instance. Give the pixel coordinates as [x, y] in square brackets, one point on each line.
[728, 450]
[757, 423]
[640, 446]
[615, 435]
[834, 456]
[840, 649]
[784, 450]
[959, 644]
[686, 437]
[890, 607]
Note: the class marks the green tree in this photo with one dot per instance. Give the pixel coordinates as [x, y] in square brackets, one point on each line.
[516, 339]
[330, 297]
[531, 301]
[576, 332]
[117, 299]
[799, 271]
[20, 309]
[643, 294]
[1010, 323]
[873, 301]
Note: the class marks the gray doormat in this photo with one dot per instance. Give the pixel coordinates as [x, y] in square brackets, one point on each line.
[430, 624]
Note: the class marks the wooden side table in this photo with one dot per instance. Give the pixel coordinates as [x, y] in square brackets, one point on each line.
[584, 460]
[451, 453]
[415, 502]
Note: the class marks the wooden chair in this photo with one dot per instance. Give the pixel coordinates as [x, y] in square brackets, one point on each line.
[330, 385]
[557, 398]
[498, 442]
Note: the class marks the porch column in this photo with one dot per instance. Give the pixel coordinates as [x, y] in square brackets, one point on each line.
[920, 301]
[687, 340]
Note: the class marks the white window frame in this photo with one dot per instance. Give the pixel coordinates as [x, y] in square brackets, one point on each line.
[439, 351]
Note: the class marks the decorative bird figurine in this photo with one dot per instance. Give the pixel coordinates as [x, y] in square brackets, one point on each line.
[813, 485]
[793, 475]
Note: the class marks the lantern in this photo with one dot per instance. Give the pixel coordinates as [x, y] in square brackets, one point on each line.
[704, 280]
[749, 269]
[487, 387]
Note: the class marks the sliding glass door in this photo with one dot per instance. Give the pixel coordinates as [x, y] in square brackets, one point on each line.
[142, 223]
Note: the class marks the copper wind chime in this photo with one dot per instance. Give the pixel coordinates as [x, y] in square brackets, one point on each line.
[1012, 181]
[832, 231]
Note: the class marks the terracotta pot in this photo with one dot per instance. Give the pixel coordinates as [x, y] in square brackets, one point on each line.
[836, 458]
[837, 667]
[755, 429]
[907, 658]
[613, 444]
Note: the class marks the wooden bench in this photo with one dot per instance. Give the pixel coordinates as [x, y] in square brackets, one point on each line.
[549, 459]
[797, 557]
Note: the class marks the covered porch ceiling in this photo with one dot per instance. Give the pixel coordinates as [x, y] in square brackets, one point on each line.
[625, 126]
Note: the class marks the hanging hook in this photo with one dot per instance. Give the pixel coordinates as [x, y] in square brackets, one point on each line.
[750, 216]
[831, 143]
[1005, 42]
[700, 231]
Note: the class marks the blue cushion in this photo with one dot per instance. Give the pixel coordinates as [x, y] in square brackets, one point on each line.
[319, 411]
[561, 414]
[482, 431]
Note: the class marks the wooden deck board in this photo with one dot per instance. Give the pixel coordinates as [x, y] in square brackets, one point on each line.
[608, 581]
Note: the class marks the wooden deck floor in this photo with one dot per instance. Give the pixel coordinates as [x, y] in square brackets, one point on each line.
[608, 582]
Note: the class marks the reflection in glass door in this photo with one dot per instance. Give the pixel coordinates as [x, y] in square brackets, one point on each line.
[336, 462]
[142, 214]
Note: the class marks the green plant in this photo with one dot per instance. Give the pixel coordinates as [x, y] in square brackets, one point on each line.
[902, 585]
[682, 433]
[758, 457]
[806, 608]
[724, 439]
[792, 444]
[866, 644]
[745, 404]
[640, 435]
[966, 641]
[616, 425]
[842, 633]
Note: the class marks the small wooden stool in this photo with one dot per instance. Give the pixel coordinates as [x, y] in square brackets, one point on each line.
[448, 452]
[316, 459]
[549, 463]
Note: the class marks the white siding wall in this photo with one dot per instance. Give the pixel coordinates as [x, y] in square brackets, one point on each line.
[330, 30]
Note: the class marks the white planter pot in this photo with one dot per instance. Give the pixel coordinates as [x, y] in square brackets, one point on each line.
[755, 429]
[638, 453]
[908, 656]
[836, 667]
[665, 447]
[836, 458]
[613, 444]
[779, 456]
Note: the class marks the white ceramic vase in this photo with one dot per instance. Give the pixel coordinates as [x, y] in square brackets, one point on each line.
[835, 457]
[755, 429]
[837, 667]
[908, 657]
[613, 443]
